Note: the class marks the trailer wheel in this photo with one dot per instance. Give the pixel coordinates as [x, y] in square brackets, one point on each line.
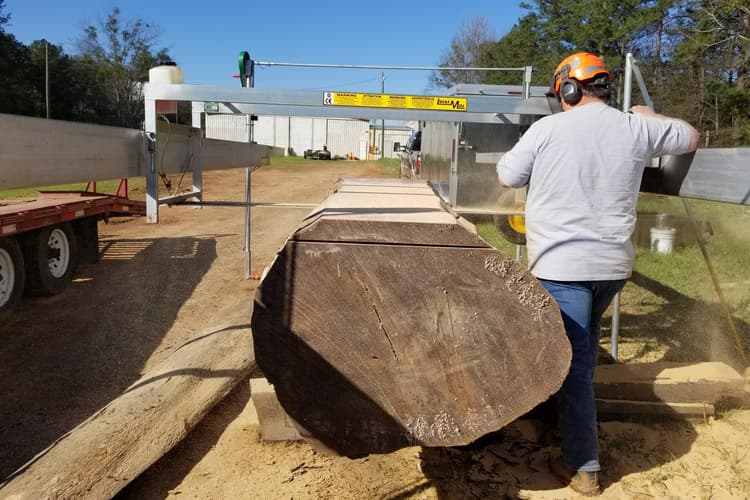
[511, 227]
[508, 227]
[52, 255]
[12, 278]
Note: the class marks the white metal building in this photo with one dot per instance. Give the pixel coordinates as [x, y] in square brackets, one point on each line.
[393, 134]
[294, 135]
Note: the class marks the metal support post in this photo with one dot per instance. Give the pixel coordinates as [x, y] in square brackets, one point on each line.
[152, 179]
[382, 122]
[152, 167]
[626, 104]
[527, 82]
[197, 170]
[615, 333]
[627, 82]
[246, 248]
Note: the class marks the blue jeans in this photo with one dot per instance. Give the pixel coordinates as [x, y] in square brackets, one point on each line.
[582, 304]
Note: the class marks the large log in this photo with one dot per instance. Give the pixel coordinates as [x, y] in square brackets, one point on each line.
[384, 322]
[107, 451]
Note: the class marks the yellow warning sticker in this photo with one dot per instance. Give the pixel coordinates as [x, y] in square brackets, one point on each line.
[434, 103]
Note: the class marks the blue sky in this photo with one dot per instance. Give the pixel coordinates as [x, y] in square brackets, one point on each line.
[206, 38]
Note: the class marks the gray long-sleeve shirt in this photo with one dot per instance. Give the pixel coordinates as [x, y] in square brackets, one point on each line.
[583, 168]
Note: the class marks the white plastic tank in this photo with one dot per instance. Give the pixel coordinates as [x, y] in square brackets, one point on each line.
[166, 73]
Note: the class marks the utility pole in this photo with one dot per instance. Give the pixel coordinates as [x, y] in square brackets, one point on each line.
[46, 78]
[382, 122]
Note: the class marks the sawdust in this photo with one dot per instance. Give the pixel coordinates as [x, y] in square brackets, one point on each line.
[498, 266]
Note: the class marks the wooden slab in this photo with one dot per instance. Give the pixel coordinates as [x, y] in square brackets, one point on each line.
[104, 453]
[623, 409]
[706, 382]
[374, 343]
[386, 211]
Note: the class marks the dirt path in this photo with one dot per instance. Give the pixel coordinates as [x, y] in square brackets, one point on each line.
[157, 285]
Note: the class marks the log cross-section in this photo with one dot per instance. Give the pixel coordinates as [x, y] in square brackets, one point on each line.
[385, 321]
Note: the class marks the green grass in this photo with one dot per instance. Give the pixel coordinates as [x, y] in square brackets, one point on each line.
[289, 160]
[489, 233]
[390, 167]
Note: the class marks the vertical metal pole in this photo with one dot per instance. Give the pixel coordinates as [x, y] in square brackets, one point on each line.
[382, 122]
[626, 103]
[615, 325]
[453, 179]
[526, 95]
[246, 248]
[527, 82]
[152, 175]
[46, 79]
[627, 82]
[197, 175]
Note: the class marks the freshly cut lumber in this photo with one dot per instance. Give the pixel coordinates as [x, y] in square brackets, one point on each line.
[617, 409]
[385, 321]
[706, 382]
[104, 453]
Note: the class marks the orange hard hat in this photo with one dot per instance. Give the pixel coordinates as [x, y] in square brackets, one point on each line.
[582, 66]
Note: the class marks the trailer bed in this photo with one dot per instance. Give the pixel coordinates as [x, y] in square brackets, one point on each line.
[52, 207]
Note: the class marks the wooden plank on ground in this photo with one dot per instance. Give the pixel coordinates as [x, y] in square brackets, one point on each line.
[706, 382]
[385, 322]
[104, 453]
[609, 409]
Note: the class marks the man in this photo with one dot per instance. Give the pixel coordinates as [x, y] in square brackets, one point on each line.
[583, 169]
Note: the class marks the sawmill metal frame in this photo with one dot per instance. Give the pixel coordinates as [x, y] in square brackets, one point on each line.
[714, 174]
[520, 107]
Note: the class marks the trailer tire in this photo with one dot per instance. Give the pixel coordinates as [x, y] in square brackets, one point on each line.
[52, 254]
[507, 231]
[12, 278]
[511, 227]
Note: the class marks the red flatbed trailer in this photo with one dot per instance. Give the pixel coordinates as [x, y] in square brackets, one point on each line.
[42, 241]
[54, 207]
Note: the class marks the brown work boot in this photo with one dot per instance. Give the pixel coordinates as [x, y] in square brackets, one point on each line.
[585, 483]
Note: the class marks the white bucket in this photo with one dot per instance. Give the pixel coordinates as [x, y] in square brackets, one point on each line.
[662, 239]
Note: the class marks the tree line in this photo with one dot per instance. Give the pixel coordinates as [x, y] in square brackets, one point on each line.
[694, 54]
[101, 83]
